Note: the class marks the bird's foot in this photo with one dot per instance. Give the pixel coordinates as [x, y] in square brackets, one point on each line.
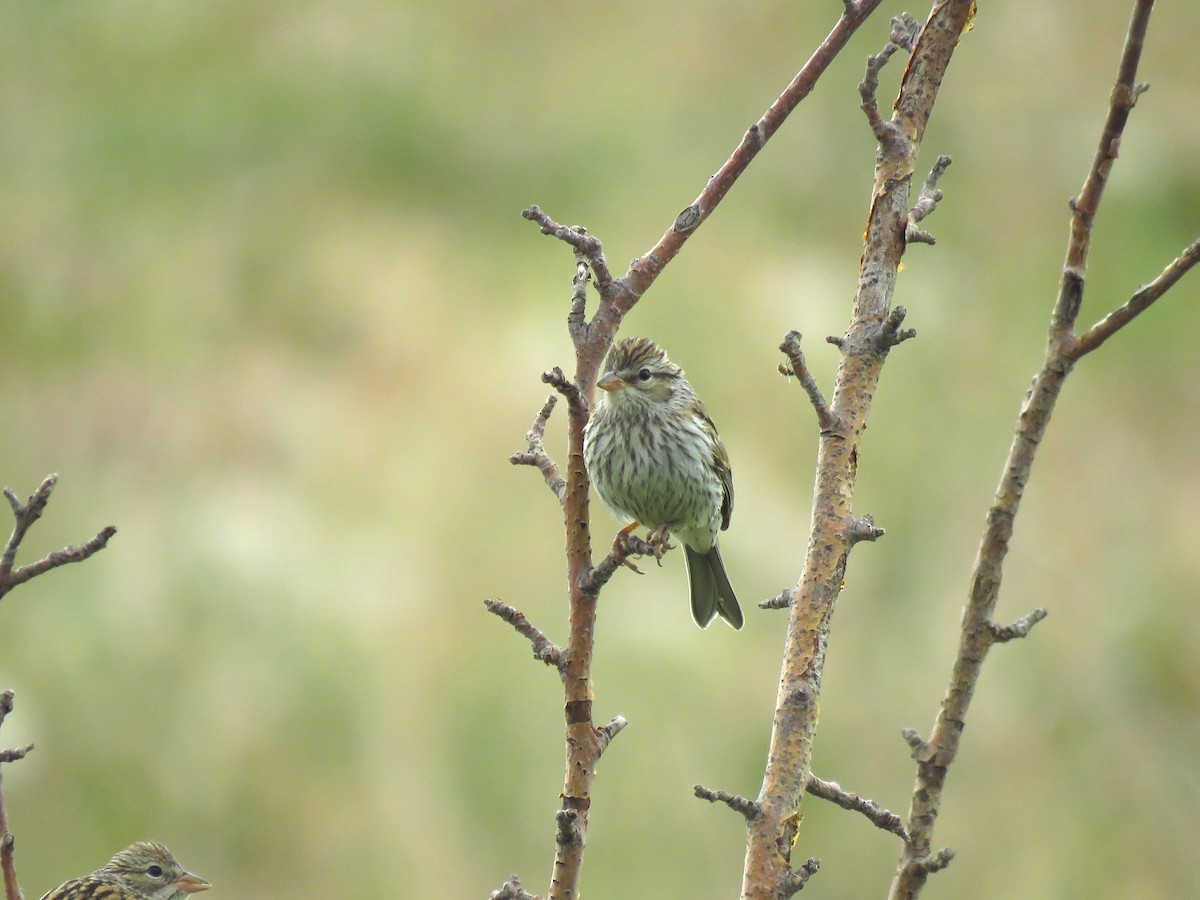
[658, 542]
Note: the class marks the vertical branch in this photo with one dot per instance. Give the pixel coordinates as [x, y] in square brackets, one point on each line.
[979, 632]
[591, 339]
[12, 890]
[770, 836]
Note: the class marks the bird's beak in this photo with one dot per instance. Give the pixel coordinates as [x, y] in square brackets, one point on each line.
[191, 884]
[610, 382]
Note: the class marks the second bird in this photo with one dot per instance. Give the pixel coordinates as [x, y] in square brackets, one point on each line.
[655, 458]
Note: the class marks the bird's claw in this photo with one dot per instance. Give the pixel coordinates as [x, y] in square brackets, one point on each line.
[658, 542]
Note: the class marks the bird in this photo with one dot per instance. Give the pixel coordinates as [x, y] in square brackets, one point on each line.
[653, 453]
[142, 871]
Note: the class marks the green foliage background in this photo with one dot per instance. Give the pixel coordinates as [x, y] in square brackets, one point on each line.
[267, 304]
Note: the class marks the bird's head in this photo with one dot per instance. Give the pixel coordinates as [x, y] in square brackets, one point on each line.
[638, 371]
[149, 869]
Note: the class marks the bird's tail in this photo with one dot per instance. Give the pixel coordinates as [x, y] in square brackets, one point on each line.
[712, 594]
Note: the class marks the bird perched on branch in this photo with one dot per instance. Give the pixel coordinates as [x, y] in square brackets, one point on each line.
[144, 871]
[656, 460]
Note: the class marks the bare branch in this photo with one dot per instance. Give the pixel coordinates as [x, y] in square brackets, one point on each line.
[537, 456]
[25, 514]
[885, 132]
[1018, 629]
[890, 333]
[797, 366]
[797, 878]
[626, 545]
[739, 804]
[646, 268]
[512, 890]
[1085, 206]
[876, 814]
[782, 600]
[864, 529]
[577, 316]
[607, 732]
[978, 633]
[577, 236]
[544, 649]
[1139, 302]
[927, 202]
[569, 389]
[935, 862]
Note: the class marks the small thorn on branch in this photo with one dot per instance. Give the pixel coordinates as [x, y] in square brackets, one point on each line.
[890, 333]
[922, 750]
[795, 880]
[797, 366]
[537, 456]
[544, 649]
[878, 816]
[782, 600]
[605, 733]
[7, 756]
[748, 808]
[864, 529]
[1018, 629]
[512, 890]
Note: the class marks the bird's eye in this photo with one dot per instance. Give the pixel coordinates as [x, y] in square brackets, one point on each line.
[644, 375]
[154, 871]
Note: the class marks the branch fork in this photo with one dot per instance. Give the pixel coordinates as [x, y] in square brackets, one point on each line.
[25, 514]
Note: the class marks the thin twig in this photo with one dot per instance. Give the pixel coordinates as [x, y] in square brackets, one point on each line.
[797, 878]
[739, 804]
[537, 456]
[798, 367]
[606, 733]
[890, 333]
[626, 546]
[1018, 629]
[864, 529]
[927, 202]
[577, 236]
[1139, 302]
[782, 600]
[1085, 206]
[25, 514]
[885, 132]
[876, 814]
[544, 649]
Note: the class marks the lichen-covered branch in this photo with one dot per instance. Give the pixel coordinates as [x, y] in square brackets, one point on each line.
[874, 330]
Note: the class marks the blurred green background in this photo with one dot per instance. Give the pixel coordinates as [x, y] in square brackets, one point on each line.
[268, 305]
